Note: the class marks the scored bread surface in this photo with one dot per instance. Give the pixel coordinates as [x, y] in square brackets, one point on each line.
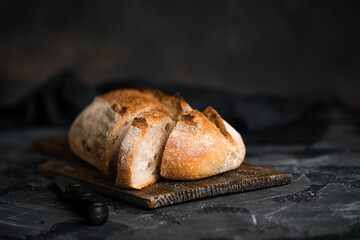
[226, 129]
[140, 135]
[196, 148]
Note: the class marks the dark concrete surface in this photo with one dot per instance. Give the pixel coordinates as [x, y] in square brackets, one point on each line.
[322, 202]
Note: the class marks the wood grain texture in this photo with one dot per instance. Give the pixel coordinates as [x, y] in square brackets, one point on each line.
[164, 192]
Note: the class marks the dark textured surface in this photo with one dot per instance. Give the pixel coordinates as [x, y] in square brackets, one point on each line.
[322, 202]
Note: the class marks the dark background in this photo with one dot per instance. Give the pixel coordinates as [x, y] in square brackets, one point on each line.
[286, 48]
[282, 73]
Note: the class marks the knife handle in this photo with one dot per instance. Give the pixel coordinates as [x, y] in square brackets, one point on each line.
[89, 204]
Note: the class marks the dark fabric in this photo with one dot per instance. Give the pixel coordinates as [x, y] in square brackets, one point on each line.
[63, 96]
[56, 102]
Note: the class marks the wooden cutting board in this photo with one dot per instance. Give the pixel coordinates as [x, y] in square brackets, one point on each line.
[162, 193]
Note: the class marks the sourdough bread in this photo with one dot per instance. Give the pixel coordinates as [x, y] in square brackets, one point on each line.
[140, 135]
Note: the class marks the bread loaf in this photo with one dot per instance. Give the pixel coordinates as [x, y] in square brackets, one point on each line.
[140, 135]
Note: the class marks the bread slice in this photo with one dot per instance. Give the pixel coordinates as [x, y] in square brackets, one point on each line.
[97, 133]
[200, 146]
[142, 148]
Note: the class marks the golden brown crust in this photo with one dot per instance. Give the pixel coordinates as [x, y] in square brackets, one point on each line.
[189, 119]
[197, 151]
[176, 104]
[140, 122]
[120, 110]
[156, 93]
[133, 100]
[214, 117]
[94, 132]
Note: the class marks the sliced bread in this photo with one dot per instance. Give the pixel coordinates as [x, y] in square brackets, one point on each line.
[97, 133]
[141, 150]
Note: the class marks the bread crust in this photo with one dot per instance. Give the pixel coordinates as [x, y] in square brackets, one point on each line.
[214, 117]
[133, 100]
[94, 132]
[227, 130]
[91, 131]
[198, 148]
[176, 103]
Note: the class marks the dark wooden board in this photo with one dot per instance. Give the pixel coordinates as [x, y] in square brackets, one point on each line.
[164, 192]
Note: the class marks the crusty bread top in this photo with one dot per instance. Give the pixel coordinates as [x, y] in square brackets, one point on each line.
[214, 117]
[193, 126]
[130, 100]
[227, 130]
[196, 149]
[175, 104]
